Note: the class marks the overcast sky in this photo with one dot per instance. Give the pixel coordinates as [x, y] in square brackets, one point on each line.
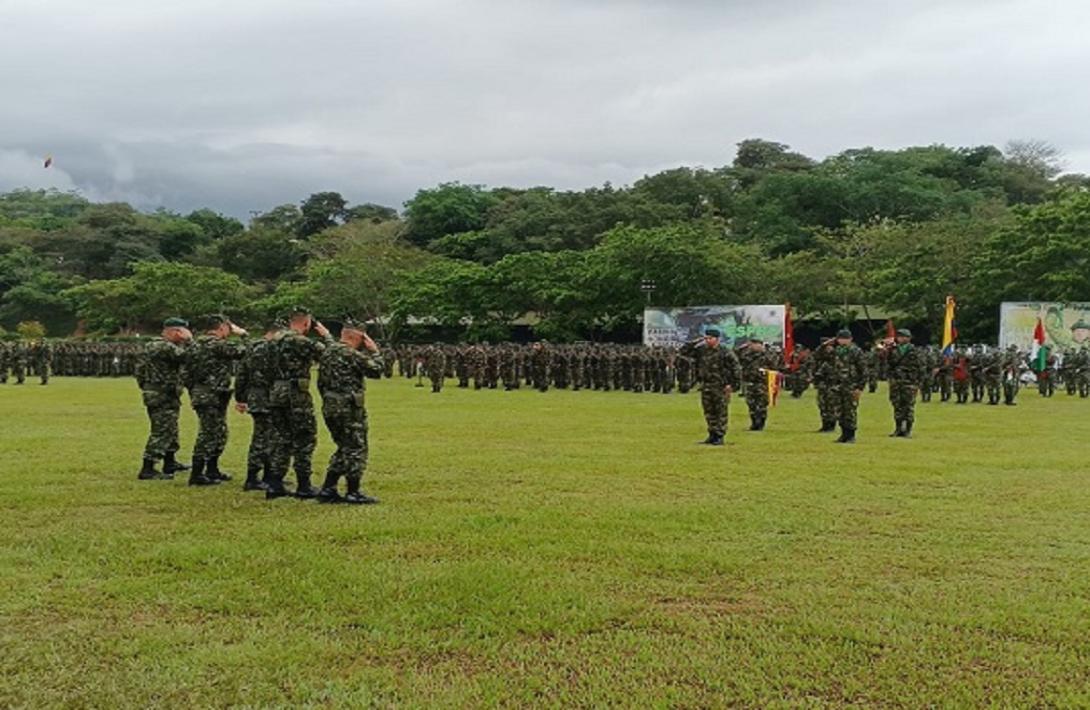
[243, 105]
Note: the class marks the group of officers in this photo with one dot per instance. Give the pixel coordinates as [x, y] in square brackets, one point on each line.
[272, 379]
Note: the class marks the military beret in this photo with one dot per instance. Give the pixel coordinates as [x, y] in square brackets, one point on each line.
[843, 333]
[904, 332]
[711, 332]
[1081, 324]
[175, 323]
[753, 339]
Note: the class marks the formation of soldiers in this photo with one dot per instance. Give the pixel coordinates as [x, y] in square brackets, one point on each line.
[541, 366]
[269, 379]
[26, 359]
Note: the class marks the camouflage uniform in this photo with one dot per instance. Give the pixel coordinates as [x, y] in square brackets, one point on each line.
[819, 369]
[539, 368]
[755, 365]
[435, 363]
[252, 384]
[159, 376]
[1013, 365]
[5, 358]
[295, 430]
[847, 375]
[208, 367]
[341, 373]
[19, 356]
[715, 370]
[42, 356]
[904, 363]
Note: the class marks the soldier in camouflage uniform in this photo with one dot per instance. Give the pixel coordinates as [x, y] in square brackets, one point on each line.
[159, 376]
[819, 366]
[19, 358]
[756, 361]
[295, 429]
[5, 360]
[341, 372]
[904, 363]
[435, 363]
[539, 366]
[42, 357]
[253, 382]
[208, 367]
[847, 378]
[719, 374]
[1013, 364]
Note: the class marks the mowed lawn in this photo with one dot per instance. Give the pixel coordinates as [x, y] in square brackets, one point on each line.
[557, 549]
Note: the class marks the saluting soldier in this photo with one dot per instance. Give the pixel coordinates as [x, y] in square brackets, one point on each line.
[159, 376]
[342, 370]
[719, 374]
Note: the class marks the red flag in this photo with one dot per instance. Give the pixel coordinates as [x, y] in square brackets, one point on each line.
[891, 333]
[788, 336]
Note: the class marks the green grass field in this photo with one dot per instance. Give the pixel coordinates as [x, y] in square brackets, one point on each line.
[557, 549]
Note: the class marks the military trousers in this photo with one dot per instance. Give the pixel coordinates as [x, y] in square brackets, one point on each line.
[714, 402]
[902, 395]
[163, 409]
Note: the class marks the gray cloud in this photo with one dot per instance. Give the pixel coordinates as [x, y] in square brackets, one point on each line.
[243, 105]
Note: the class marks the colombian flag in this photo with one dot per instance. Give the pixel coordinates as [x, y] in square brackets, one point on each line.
[949, 328]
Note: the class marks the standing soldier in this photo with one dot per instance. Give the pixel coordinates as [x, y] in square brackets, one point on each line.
[341, 373]
[539, 366]
[435, 363]
[159, 375]
[252, 384]
[819, 366]
[5, 358]
[43, 360]
[208, 368]
[904, 363]
[756, 361]
[719, 373]
[295, 430]
[847, 378]
[19, 357]
[1013, 365]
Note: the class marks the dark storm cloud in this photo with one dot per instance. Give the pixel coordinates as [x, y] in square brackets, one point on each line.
[244, 105]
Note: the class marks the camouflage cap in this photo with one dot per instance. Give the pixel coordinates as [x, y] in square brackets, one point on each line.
[175, 323]
[711, 332]
[351, 323]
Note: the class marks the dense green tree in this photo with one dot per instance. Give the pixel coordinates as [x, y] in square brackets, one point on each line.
[450, 208]
[215, 225]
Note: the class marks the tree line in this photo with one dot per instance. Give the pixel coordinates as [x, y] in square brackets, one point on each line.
[894, 229]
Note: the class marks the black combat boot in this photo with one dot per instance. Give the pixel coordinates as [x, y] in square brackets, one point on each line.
[328, 493]
[275, 487]
[197, 477]
[897, 430]
[172, 466]
[355, 497]
[717, 440]
[252, 482]
[148, 472]
[709, 440]
[826, 427]
[847, 436]
[213, 470]
[907, 432]
[304, 490]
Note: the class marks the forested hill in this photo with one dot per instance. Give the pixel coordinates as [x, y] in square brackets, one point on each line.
[895, 229]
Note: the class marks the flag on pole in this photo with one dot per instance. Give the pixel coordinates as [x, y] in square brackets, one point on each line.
[788, 336]
[891, 332]
[1039, 351]
[774, 381]
[949, 328]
